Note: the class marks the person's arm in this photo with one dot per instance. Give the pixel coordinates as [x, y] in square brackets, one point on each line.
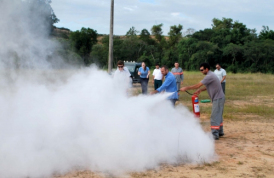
[224, 75]
[154, 92]
[197, 92]
[196, 86]
[223, 79]
[163, 87]
[139, 71]
[182, 75]
[148, 73]
[182, 78]
[153, 74]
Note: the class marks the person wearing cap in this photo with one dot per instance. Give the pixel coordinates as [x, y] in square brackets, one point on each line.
[157, 77]
[215, 91]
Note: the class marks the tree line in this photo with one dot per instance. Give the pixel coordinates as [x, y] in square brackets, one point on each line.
[228, 42]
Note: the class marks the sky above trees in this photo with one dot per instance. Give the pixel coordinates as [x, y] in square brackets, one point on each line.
[197, 14]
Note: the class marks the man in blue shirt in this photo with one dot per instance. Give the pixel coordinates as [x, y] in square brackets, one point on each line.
[169, 85]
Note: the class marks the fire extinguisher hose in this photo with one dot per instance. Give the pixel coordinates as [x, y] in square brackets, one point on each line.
[187, 92]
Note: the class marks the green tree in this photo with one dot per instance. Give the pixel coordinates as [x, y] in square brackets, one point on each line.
[189, 32]
[171, 54]
[259, 56]
[266, 33]
[225, 23]
[186, 48]
[132, 32]
[204, 53]
[83, 41]
[145, 35]
[99, 53]
[175, 34]
[268, 63]
[132, 45]
[233, 50]
[157, 31]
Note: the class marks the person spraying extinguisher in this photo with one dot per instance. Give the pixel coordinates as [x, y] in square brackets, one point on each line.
[212, 85]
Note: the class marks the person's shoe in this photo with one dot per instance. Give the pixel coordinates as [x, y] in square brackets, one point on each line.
[220, 135]
[216, 138]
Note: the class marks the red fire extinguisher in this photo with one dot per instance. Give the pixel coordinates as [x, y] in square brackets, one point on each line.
[195, 105]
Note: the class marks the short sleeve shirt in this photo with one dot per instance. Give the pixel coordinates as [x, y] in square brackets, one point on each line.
[213, 86]
[220, 74]
[122, 77]
[157, 74]
[123, 74]
[143, 73]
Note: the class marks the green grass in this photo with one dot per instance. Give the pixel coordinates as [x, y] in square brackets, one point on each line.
[246, 94]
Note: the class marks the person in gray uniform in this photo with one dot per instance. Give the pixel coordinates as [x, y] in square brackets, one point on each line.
[215, 91]
[178, 73]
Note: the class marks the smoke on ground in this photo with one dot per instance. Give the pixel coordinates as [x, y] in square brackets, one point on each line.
[55, 120]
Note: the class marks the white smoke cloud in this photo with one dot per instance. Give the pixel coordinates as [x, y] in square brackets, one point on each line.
[85, 124]
[24, 36]
[58, 120]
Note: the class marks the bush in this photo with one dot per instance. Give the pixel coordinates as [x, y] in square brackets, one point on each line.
[232, 69]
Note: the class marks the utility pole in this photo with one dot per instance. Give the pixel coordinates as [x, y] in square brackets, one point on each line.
[110, 53]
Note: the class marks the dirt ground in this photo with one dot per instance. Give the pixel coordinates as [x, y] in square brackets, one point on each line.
[246, 150]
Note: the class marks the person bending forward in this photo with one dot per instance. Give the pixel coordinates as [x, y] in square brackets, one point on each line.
[214, 89]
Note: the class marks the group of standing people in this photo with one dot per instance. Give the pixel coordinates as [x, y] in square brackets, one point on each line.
[213, 82]
[158, 76]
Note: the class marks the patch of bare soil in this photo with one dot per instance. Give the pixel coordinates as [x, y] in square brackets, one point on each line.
[246, 150]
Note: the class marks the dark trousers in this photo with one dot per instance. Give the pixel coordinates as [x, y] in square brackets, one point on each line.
[144, 82]
[173, 101]
[157, 84]
[223, 87]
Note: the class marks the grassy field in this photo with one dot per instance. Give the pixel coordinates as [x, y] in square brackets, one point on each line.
[246, 94]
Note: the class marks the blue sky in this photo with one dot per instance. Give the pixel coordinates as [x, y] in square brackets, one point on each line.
[197, 14]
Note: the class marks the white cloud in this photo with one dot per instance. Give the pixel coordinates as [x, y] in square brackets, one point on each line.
[127, 8]
[175, 14]
[197, 14]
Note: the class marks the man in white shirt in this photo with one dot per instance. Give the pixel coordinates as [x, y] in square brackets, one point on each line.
[157, 77]
[122, 75]
[221, 74]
